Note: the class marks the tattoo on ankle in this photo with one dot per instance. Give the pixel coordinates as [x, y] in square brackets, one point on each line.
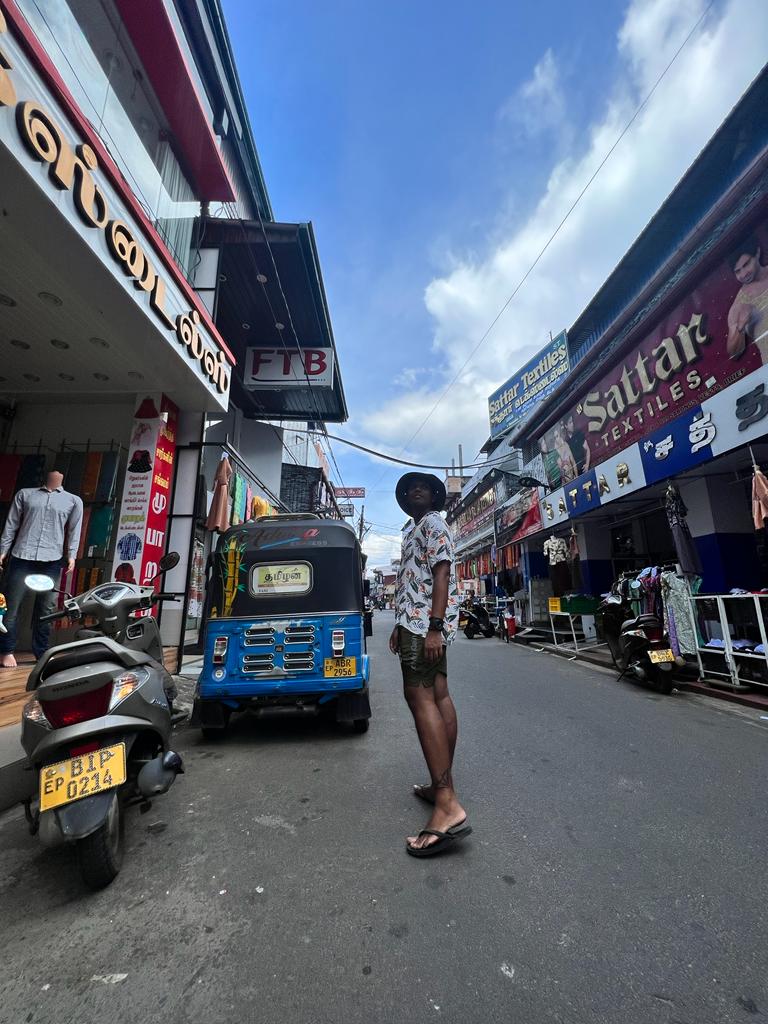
[445, 781]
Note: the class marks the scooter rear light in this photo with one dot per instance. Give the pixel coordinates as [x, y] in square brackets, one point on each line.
[33, 712]
[220, 645]
[654, 633]
[125, 684]
[81, 707]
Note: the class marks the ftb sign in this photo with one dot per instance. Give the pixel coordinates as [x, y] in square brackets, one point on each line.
[288, 368]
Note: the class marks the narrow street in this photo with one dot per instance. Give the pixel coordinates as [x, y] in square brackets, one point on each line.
[616, 872]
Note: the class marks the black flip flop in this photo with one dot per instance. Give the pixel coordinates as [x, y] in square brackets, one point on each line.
[444, 839]
[418, 791]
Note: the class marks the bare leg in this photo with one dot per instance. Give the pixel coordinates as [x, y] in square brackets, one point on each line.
[436, 738]
[448, 714]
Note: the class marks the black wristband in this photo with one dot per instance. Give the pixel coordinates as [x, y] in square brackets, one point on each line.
[435, 625]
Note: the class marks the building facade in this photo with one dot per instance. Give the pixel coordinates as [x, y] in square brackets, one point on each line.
[154, 317]
[667, 388]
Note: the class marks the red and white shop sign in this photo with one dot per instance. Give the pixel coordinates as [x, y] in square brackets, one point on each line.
[145, 504]
[288, 368]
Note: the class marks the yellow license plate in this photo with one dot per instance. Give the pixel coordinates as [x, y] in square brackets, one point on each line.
[340, 668]
[659, 656]
[82, 776]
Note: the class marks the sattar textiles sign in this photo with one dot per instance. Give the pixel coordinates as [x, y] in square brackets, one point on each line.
[529, 386]
[71, 168]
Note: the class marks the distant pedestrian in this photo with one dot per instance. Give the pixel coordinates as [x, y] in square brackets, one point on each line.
[426, 616]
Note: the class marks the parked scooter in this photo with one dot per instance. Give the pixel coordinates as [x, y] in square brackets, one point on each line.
[638, 645]
[98, 728]
[478, 621]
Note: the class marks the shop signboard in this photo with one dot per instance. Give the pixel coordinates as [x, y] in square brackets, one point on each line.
[144, 508]
[733, 417]
[518, 520]
[37, 132]
[716, 337]
[349, 492]
[347, 509]
[289, 367]
[529, 386]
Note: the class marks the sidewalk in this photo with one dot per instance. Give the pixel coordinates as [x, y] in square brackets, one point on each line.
[601, 658]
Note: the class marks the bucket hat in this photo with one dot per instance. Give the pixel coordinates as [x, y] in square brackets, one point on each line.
[435, 483]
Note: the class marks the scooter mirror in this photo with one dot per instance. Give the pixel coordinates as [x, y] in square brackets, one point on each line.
[169, 561]
[39, 582]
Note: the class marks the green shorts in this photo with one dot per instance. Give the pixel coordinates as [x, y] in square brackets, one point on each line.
[417, 671]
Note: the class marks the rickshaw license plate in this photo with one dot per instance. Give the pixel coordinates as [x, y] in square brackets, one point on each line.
[82, 776]
[659, 656]
[340, 668]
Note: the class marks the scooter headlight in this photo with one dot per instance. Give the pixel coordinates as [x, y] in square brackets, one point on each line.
[125, 684]
[33, 712]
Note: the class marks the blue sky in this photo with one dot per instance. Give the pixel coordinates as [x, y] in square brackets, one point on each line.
[435, 145]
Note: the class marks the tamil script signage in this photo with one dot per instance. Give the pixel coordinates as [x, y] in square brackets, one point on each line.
[714, 340]
[732, 417]
[290, 367]
[32, 128]
[145, 504]
[349, 492]
[529, 386]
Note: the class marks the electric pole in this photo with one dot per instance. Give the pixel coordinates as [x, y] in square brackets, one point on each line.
[360, 533]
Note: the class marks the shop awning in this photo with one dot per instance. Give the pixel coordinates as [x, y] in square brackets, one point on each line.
[270, 296]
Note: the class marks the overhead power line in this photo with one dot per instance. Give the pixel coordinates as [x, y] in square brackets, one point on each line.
[416, 465]
[559, 227]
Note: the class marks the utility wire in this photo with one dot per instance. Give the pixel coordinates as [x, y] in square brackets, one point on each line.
[419, 465]
[557, 230]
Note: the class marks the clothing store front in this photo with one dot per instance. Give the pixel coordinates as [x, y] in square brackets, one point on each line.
[111, 360]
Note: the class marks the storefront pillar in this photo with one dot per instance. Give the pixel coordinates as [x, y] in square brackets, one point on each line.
[595, 557]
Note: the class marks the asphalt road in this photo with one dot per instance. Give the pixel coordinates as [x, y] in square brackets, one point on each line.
[617, 871]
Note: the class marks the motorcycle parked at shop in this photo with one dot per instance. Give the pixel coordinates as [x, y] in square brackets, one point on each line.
[638, 644]
[478, 621]
[97, 730]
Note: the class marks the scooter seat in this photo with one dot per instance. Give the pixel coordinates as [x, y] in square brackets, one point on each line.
[641, 620]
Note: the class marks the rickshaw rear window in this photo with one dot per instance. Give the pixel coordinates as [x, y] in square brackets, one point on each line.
[278, 578]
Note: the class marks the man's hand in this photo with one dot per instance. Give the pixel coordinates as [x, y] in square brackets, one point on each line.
[433, 645]
[2, 561]
[394, 641]
[70, 564]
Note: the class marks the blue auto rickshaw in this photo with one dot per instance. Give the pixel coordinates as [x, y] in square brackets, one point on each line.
[287, 627]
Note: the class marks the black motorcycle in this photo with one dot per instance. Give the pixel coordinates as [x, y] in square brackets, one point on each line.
[638, 644]
[478, 621]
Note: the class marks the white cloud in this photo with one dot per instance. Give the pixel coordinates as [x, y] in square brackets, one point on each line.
[381, 548]
[706, 81]
[538, 106]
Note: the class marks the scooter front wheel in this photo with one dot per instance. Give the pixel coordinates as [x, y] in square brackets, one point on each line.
[100, 855]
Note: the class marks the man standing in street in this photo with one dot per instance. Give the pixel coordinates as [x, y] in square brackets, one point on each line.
[43, 527]
[426, 615]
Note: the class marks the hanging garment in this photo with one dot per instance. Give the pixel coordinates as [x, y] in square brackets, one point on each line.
[556, 550]
[74, 478]
[31, 472]
[238, 489]
[105, 488]
[759, 498]
[242, 500]
[9, 471]
[61, 463]
[248, 502]
[560, 578]
[100, 531]
[575, 562]
[218, 517]
[259, 507]
[91, 476]
[87, 509]
[677, 601]
[687, 553]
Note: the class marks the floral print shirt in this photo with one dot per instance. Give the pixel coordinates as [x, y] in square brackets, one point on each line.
[425, 544]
